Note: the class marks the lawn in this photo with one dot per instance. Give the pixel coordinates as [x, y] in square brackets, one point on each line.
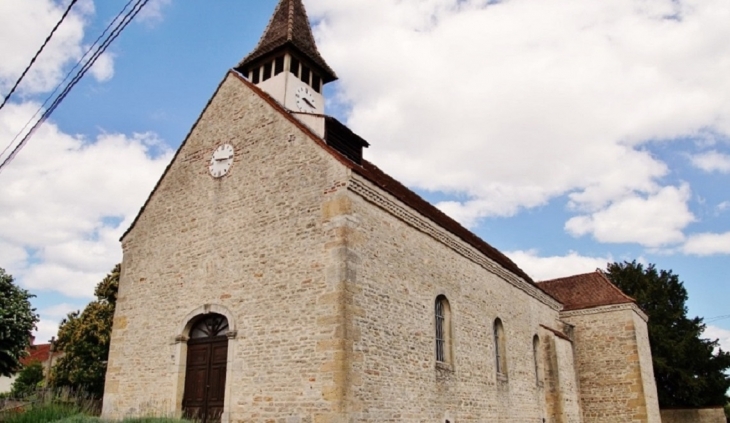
[71, 413]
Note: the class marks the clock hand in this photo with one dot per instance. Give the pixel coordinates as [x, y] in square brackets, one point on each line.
[308, 102]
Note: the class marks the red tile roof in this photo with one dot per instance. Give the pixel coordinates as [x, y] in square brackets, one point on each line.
[39, 353]
[585, 291]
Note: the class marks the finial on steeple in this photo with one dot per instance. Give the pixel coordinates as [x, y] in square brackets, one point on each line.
[288, 31]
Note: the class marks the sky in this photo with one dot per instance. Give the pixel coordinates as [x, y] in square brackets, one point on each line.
[567, 134]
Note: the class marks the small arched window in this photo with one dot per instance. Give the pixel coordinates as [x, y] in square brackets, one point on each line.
[500, 348]
[443, 329]
[536, 356]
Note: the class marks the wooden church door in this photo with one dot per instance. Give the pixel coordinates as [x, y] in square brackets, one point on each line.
[205, 373]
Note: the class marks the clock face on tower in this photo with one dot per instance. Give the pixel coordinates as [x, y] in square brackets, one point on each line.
[221, 161]
[305, 100]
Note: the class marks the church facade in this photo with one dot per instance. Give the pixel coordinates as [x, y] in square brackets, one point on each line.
[274, 275]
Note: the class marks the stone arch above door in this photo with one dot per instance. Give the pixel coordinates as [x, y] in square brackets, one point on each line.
[183, 331]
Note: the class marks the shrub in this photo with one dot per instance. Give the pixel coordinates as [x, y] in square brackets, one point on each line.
[29, 378]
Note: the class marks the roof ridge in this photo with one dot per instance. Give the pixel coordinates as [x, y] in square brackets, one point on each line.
[290, 28]
[603, 275]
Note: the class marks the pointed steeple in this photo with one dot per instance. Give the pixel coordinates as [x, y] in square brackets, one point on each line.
[289, 29]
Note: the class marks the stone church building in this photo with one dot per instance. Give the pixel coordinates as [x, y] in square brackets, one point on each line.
[274, 275]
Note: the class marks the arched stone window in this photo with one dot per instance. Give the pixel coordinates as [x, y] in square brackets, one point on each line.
[500, 348]
[442, 313]
[536, 357]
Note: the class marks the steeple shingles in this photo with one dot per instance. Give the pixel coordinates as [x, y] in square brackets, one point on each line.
[289, 26]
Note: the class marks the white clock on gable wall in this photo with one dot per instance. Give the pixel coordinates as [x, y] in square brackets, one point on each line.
[221, 161]
[305, 100]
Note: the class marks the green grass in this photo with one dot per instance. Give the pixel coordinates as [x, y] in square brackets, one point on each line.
[45, 413]
[70, 413]
[89, 419]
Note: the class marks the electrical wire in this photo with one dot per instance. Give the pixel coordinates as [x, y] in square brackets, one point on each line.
[67, 76]
[116, 31]
[716, 318]
[38, 53]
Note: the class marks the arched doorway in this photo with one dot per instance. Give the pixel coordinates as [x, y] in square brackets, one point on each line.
[205, 371]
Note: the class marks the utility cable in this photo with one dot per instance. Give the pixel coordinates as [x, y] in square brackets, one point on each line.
[38, 53]
[716, 318]
[68, 75]
[86, 66]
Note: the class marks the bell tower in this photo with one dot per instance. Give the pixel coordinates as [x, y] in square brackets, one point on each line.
[286, 63]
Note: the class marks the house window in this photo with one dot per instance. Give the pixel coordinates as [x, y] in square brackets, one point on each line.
[500, 350]
[536, 355]
[443, 330]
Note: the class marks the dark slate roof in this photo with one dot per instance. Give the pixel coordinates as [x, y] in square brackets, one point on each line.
[585, 291]
[289, 26]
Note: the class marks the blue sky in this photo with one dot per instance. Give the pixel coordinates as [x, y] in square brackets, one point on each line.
[566, 135]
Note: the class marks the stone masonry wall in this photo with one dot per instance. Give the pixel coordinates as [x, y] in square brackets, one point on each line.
[561, 385]
[701, 415]
[647, 369]
[611, 349]
[258, 246]
[396, 273]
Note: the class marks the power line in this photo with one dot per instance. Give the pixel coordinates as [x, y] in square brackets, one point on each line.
[67, 76]
[716, 318]
[32, 61]
[116, 31]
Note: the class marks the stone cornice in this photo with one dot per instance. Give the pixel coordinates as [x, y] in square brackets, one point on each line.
[376, 196]
[606, 309]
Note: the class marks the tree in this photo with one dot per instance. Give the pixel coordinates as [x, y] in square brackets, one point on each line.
[28, 380]
[17, 320]
[689, 370]
[84, 339]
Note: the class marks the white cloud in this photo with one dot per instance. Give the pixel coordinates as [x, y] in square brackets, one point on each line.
[45, 330]
[152, 13]
[59, 310]
[723, 335]
[707, 244]
[70, 199]
[545, 268]
[65, 199]
[712, 161]
[50, 319]
[509, 105]
[103, 69]
[653, 221]
[24, 25]
[13, 258]
[722, 207]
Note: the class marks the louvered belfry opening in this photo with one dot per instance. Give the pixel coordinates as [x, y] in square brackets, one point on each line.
[342, 139]
[289, 35]
[205, 372]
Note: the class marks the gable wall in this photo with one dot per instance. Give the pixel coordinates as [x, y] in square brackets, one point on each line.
[396, 273]
[250, 245]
